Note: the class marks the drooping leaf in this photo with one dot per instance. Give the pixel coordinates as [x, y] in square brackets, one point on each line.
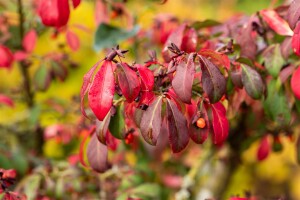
[276, 23]
[29, 41]
[102, 90]
[97, 155]
[128, 82]
[86, 85]
[219, 123]
[263, 149]
[199, 135]
[102, 128]
[214, 83]
[295, 83]
[108, 35]
[72, 40]
[147, 77]
[276, 105]
[296, 40]
[217, 58]
[273, 59]
[6, 57]
[42, 78]
[189, 41]
[183, 81]
[6, 100]
[293, 13]
[253, 82]
[177, 127]
[82, 145]
[176, 38]
[151, 121]
[205, 24]
[117, 123]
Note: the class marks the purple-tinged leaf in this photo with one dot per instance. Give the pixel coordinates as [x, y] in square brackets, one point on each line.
[217, 58]
[128, 82]
[199, 135]
[293, 13]
[253, 82]
[97, 155]
[214, 83]
[286, 47]
[86, 85]
[220, 123]
[276, 23]
[183, 80]
[102, 90]
[296, 39]
[286, 73]
[151, 121]
[177, 127]
[189, 40]
[236, 78]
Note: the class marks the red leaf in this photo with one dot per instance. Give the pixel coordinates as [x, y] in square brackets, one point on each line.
[72, 40]
[189, 41]
[6, 100]
[6, 57]
[199, 135]
[220, 123]
[263, 149]
[97, 155]
[216, 57]
[54, 12]
[147, 77]
[128, 82]
[76, 3]
[293, 13]
[296, 40]
[295, 83]
[177, 127]
[183, 80]
[101, 13]
[86, 85]
[29, 41]
[102, 90]
[20, 55]
[214, 83]
[176, 38]
[276, 23]
[151, 121]
[146, 98]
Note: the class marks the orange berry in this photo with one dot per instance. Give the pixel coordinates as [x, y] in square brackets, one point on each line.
[201, 123]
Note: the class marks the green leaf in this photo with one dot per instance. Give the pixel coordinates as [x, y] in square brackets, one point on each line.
[204, 24]
[32, 184]
[117, 123]
[276, 105]
[42, 78]
[253, 82]
[107, 35]
[147, 190]
[273, 59]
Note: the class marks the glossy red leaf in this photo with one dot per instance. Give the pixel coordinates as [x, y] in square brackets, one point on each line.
[29, 41]
[54, 12]
[76, 3]
[151, 121]
[219, 123]
[263, 149]
[87, 78]
[102, 90]
[97, 155]
[72, 40]
[183, 81]
[189, 41]
[293, 13]
[177, 127]
[296, 40]
[217, 58]
[176, 38]
[214, 83]
[6, 57]
[295, 83]
[128, 82]
[147, 77]
[276, 23]
[199, 135]
[6, 100]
